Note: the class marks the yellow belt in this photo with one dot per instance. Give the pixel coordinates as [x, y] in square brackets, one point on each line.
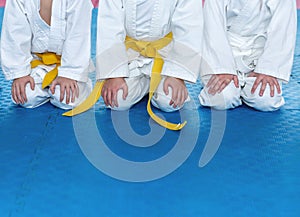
[146, 49]
[47, 59]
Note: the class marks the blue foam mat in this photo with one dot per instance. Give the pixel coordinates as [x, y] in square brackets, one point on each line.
[256, 171]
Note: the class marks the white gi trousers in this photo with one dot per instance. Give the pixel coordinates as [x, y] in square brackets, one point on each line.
[232, 97]
[138, 87]
[244, 36]
[25, 33]
[39, 96]
[148, 20]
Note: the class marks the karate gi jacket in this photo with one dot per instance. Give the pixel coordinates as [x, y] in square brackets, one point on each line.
[25, 33]
[249, 35]
[118, 18]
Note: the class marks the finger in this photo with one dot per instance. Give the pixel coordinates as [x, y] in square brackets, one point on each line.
[125, 91]
[186, 95]
[255, 85]
[223, 85]
[218, 85]
[272, 86]
[62, 92]
[213, 90]
[23, 93]
[114, 98]
[262, 88]
[103, 91]
[104, 96]
[236, 81]
[73, 92]
[76, 89]
[20, 100]
[171, 102]
[178, 99]
[53, 85]
[32, 83]
[166, 87]
[182, 99]
[277, 85]
[108, 98]
[174, 97]
[14, 95]
[211, 80]
[68, 95]
[215, 87]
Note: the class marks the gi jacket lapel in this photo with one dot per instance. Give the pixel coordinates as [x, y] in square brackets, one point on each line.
[58, 26]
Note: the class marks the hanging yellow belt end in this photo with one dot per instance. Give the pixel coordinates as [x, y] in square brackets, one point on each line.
[163, 123]
[180, 126]
[147, 49]
[89, 102]
[49, 77]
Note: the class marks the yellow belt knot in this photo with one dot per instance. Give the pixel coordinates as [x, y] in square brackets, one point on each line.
[47, 59]
[146, 49]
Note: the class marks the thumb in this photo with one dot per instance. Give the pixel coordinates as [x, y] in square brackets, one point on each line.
[52, 88]
[125, 91]
[236, 81]
[252, 74]
[32, 83]
[166, 87]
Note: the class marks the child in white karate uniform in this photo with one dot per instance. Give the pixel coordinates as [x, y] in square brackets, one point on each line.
[127, 71]
[248, 52]
[41, 37]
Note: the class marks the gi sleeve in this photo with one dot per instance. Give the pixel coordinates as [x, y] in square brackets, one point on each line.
[112, 58]
[217, 54]
[277, 58]
[15, 41]
[77, 45]
[184, 58]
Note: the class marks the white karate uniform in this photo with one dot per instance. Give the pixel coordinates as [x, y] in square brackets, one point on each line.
[148, 20]
[242, 36]
[24, 33]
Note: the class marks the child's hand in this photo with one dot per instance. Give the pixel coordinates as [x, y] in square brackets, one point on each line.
[18, 88]
[264, 80]
[179, 91]
[67, 86]
[110, 91]
[217, 83]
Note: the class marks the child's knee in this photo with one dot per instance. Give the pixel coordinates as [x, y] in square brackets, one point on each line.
[35, 98]
[55, 99]
[227, 99]
[265, 102]
[123, 104]
[162, 101]
[137, 88]
[269, 103]
[84, 92]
